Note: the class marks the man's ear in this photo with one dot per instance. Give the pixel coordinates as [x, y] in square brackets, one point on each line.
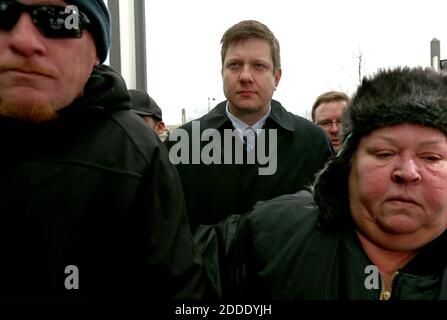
[278, 76]
[160, 127]
[96, 61]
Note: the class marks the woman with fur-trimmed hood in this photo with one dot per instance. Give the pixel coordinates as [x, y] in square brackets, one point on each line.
[375, 226]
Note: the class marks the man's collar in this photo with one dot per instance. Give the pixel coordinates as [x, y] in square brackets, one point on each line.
[281, 116]
[217, 117]
[239, 124]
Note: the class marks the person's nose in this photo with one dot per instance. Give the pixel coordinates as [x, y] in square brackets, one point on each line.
[25, 39]
[246, 75]
[334, 128]
[406, 170]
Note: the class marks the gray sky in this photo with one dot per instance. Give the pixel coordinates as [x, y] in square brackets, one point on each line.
[320, 42]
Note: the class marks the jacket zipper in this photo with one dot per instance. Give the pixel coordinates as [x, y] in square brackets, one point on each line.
[384, 294]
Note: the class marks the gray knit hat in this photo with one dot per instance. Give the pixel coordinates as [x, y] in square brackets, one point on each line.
[98, 14]
[391, 97]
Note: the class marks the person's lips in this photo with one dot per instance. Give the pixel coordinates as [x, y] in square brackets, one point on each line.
[402, 200]
[27, 70]
[246, 93]
[336, 141]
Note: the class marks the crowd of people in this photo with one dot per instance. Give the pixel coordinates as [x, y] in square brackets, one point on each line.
[354, 206]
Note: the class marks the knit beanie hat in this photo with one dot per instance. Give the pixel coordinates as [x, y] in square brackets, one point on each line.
[98, 14]
[391, 97]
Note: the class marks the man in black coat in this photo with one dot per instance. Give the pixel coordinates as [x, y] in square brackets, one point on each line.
[248, 148]
[89, 203]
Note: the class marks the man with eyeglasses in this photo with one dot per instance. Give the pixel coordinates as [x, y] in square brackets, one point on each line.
[89, 203]
[327, 111]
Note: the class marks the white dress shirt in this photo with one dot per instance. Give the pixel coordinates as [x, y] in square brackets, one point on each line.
[249, 132]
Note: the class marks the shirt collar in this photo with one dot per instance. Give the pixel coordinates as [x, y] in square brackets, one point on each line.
[279, 117]
[239, 124]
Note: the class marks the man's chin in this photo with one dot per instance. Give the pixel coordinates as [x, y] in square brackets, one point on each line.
[34, 112]
[247, 108]
[337, 148]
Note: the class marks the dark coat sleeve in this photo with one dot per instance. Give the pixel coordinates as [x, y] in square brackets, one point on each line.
[219, 245]
[233, 248]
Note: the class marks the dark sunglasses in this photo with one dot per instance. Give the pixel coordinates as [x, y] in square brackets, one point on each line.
[49, 19]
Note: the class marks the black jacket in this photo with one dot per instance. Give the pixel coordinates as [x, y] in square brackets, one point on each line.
[212, 192]
[93, 189]
[278, 251]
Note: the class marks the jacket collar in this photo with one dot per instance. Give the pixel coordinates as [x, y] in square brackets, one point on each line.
[217, 117]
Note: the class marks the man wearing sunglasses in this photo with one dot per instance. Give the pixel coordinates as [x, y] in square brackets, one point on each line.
[89, 202]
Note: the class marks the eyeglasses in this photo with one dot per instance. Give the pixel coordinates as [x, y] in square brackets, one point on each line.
[49, 19]
[328, 123]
